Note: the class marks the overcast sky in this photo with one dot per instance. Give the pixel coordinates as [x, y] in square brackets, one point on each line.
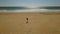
[31, 3]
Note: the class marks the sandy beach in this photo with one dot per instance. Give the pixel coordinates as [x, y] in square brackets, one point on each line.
[38, 23]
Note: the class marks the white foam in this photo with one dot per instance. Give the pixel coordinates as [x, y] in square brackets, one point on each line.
[31, 10]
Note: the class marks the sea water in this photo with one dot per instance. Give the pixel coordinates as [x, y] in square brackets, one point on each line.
[24, 9]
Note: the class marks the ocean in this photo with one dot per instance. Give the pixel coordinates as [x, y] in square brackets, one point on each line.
[26, 9]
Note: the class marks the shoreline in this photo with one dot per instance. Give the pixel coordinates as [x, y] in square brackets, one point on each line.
[45, 13]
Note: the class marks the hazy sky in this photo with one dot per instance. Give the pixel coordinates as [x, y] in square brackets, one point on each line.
[31, 3]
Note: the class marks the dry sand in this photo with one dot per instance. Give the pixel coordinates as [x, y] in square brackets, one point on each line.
[38, 23]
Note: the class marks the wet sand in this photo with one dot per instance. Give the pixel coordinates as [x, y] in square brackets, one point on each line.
[38, 23]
